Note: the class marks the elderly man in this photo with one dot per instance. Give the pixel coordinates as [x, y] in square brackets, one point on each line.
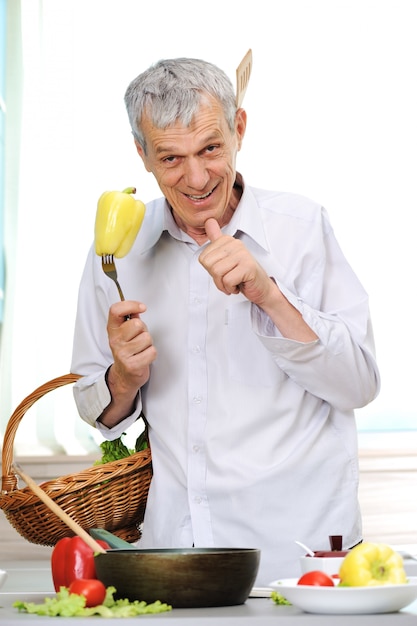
[248, 344]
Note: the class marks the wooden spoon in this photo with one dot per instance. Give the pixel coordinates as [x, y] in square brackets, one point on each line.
[53, 506]
[243, 73]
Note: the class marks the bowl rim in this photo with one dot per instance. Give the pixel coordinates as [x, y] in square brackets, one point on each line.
[180, 551]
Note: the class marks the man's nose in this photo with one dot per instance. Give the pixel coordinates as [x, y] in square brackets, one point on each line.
[195, 173]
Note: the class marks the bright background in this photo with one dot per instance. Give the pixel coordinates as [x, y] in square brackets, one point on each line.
[331, 114]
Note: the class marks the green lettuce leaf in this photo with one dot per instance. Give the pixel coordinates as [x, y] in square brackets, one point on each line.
[67, 604]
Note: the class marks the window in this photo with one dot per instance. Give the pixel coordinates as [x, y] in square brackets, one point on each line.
[2, 129]
[329, 120]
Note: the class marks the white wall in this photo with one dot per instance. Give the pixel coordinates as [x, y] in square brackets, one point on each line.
[331, 114]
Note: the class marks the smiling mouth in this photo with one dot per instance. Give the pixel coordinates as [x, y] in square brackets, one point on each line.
[201, 197]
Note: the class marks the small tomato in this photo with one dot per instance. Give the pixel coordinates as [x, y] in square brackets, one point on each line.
[93, 590]
[316, 578]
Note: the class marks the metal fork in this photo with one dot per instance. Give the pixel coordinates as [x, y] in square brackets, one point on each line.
[109, 268]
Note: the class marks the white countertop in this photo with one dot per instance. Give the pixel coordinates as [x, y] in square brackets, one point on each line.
[31, 581]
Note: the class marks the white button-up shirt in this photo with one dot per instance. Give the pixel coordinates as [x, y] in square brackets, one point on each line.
[253, 435]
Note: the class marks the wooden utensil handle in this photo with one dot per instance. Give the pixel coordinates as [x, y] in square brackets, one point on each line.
[78, 530]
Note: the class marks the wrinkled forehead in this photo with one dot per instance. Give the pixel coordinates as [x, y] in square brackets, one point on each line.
[207, 124]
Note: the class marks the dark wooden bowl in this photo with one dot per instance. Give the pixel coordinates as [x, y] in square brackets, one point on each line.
[183, 577]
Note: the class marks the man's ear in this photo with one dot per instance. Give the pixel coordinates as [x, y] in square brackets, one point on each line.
[240, 126]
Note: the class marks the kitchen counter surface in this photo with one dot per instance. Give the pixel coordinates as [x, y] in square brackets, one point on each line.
[30, 581]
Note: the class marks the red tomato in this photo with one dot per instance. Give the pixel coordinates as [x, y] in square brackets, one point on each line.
[92, 589]
[316, 578]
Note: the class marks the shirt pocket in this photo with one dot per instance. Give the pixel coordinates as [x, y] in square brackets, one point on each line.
[250, 362]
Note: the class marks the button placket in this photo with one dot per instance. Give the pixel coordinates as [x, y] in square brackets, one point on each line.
[197, 403]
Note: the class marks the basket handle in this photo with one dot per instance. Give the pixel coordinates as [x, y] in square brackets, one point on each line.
[9, 479]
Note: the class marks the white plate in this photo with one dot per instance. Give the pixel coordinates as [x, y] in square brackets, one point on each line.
[347, 600]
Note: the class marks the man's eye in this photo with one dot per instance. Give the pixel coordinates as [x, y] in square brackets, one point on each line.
[169, 159]
[211, 148]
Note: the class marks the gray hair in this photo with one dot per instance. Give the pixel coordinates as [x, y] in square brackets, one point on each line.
[173, 90]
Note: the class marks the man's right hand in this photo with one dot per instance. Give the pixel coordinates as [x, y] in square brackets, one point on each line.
[133, 352]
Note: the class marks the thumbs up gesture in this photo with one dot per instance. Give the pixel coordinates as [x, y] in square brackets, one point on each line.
[232, 266]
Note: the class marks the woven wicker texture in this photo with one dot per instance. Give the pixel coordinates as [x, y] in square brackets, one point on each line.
[111, 496]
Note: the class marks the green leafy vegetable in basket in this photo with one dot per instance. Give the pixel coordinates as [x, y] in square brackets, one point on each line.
[68, 604]
[142, 441]
[113, 451]
[116, 449]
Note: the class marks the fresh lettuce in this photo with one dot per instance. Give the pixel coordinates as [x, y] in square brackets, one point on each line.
[277, 598]
[116, 449]
[67, 604]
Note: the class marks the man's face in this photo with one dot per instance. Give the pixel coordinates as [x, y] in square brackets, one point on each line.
[195, 167]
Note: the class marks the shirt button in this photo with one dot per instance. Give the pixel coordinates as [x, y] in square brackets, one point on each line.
[197, 399]
[196, 349]
[197, 499]
[196, 448]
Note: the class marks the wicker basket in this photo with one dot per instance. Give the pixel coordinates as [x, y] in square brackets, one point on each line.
[111, 496]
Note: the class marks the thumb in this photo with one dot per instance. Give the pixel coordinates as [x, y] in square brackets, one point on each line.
[213, 230]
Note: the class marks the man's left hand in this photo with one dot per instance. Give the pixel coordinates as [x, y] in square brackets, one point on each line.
[232, 266]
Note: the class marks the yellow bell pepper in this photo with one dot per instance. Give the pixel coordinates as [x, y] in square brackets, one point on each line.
[371, 564]
[118, 220]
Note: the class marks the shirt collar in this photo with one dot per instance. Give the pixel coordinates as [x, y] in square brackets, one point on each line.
[246, 219]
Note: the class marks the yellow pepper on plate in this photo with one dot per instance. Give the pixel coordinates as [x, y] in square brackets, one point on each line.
[371, 564]
[118, 220]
